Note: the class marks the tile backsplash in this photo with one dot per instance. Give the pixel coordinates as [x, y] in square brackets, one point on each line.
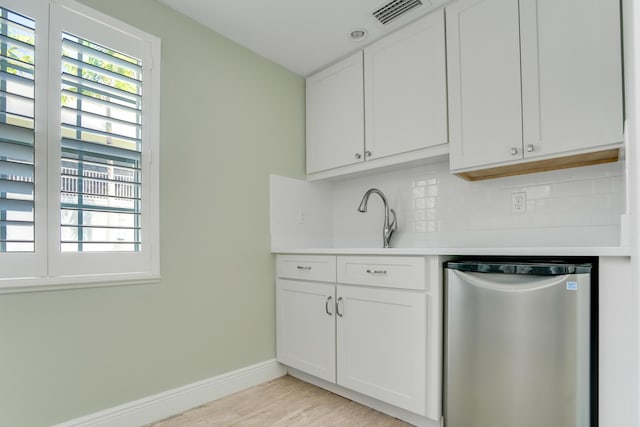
[570, 207]
[300, 213]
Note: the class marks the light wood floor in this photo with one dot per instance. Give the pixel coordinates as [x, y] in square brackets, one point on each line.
[285, 401]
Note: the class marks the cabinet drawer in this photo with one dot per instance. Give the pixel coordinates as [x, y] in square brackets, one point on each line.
[388, 272]
[321, 268]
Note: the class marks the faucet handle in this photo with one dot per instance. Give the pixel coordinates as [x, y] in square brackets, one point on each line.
[393, 224]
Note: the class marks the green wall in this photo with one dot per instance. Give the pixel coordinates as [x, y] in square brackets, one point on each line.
[229, 118]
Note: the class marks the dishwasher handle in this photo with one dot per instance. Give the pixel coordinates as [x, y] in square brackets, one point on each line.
[509, 283]
[520, 268]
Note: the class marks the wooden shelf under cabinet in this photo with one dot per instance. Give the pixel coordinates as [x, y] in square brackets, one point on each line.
[576, 160]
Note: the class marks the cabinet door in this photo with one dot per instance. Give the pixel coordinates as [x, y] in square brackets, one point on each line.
[335, 116]
[483, 57]
[405, 89]
[571, 75]
[305, 327]
[381, 336]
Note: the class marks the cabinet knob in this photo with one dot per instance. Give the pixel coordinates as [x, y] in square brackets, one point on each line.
[300, 267]
[358, 155]
[338, 312]
[367, 153]
[514, 151]
[529, 148]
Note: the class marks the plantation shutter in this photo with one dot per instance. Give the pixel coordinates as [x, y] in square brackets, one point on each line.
[17, 132]
[101, 145]
[79, 141]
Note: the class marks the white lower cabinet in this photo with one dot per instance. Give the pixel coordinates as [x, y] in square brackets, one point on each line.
[382, 342]
[381, 345]
[306, 327]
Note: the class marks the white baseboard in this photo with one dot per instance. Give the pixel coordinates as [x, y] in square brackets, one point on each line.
[172, 402]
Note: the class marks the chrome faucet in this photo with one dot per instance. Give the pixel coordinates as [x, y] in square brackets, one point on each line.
[389, 226]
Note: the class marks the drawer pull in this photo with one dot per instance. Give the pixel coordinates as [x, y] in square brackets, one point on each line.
[377, 271]
[300, 267]
[327, 304]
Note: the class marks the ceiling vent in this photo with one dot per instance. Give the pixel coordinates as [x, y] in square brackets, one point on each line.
[395, 9]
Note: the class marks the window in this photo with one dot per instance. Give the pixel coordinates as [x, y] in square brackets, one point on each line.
[78, 147]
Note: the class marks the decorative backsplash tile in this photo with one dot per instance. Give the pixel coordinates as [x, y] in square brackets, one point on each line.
[563, 208]
[300, 213]
[570, 207]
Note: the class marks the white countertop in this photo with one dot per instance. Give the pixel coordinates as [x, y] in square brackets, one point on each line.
[612, 251]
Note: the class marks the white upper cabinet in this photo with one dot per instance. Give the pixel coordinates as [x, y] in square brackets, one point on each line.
[335, 116]
[571, 75]
[533, 80]
[406, 90]
[401, 95]
[483, 53]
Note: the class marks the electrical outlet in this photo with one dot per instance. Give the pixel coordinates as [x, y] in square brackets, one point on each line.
[518, 202]
[300, 216]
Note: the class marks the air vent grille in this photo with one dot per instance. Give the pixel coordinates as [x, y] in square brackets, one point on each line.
[395, 9]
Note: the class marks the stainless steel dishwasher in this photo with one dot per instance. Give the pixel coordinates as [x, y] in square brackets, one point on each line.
[517, 344]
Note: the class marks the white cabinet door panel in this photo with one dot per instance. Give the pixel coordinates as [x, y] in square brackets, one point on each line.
[483, 54]
[305, 324]
[571, 75]
[382, 342]
[335, 116]
[405, 89]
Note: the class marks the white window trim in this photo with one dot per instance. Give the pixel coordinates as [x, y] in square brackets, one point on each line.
[48, 268]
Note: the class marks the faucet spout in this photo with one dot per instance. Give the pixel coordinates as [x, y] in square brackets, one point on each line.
[390, 223]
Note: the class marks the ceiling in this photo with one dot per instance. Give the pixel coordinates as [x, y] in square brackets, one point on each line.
[301, 35]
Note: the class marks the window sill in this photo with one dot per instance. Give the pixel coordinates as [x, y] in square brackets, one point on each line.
[45, 284]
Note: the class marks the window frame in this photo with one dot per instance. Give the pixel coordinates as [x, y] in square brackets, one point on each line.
[49, 268]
